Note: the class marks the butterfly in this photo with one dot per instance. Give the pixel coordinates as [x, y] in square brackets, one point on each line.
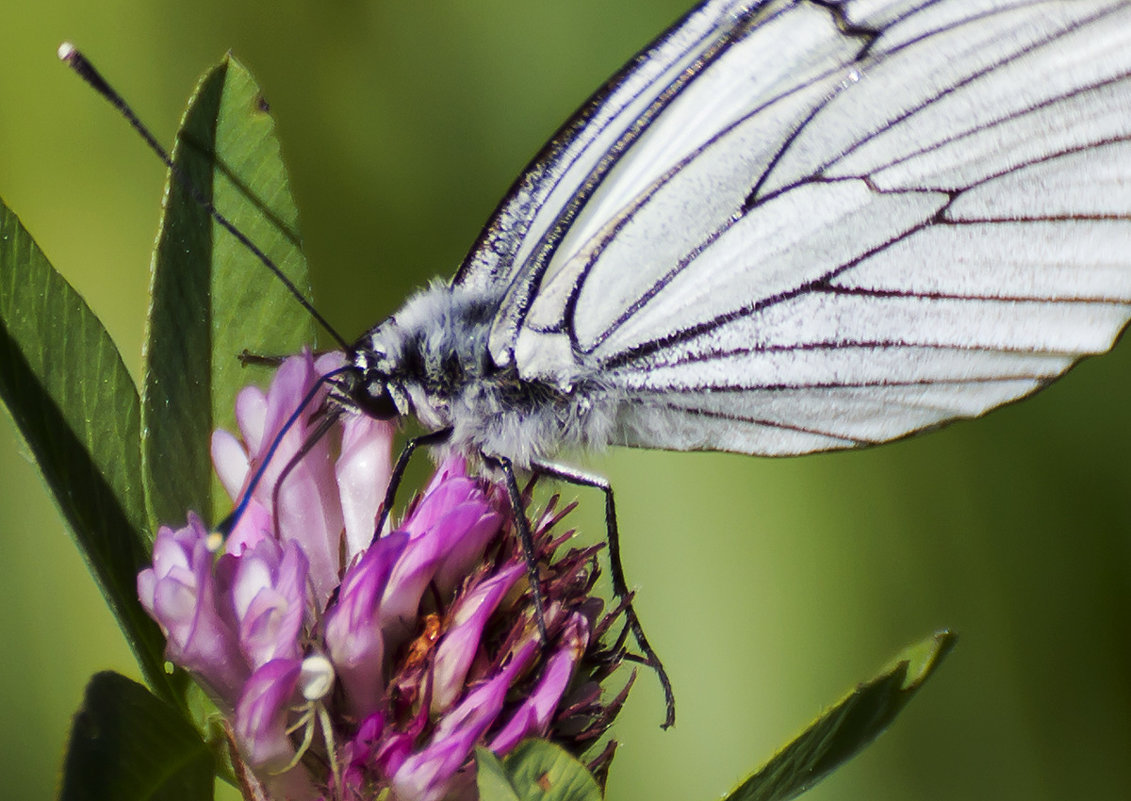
[785, 227]
[792, 227]
[788, 227]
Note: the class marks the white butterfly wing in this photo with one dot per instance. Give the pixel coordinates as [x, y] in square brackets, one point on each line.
[562, 176]
[835, 225]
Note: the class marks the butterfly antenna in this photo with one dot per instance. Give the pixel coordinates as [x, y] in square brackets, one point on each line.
[74, 59]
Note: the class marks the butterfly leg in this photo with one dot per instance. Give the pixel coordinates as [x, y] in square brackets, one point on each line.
[524, 536]
[397, 474]
[620, 586]
[249, 359]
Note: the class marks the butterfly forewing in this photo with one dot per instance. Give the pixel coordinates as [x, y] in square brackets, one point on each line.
[536, 202]
[796, 226]
[527, 227]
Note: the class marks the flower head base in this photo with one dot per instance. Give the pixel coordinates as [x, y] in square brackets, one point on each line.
[349, 669]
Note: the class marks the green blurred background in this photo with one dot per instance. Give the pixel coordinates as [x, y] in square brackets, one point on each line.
[770, 587]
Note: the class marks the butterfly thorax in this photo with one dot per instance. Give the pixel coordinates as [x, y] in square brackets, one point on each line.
[432, 360]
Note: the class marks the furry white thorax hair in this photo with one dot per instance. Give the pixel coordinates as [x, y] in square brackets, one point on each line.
[433, 360]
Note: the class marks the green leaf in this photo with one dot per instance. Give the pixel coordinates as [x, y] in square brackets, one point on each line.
[536, 770]
[211, 298]
[491, 778]
[838, 734]
[65, 385]
[127, 745]
[211, 725]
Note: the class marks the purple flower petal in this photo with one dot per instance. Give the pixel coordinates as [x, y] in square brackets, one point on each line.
[362, 472]
[255, 525]
[448, 522]
[269, 600]
[461, 642]
[396, 748]
[310, 511]
[262, 715]
[441, 498]
[400, 603]
[532, 718]
[261, 721]
[329, 362]
[230, 461]
[359, 752]
[454, 502]
[251, 416]
[424, 645]
[480, 524]
[179, 593]
[353, 635]
[294, 378]
[427, 774]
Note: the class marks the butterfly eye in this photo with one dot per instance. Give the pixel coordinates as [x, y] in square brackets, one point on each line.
[374, 399]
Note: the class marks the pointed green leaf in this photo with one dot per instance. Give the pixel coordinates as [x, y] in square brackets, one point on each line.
[211, 725]
[843, 730]
[211, 298]
[536, 770]
[65, 385]
[491, 778]
[127, 745]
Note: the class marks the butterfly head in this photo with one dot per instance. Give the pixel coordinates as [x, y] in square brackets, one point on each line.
[424, 359]
[371, 387]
